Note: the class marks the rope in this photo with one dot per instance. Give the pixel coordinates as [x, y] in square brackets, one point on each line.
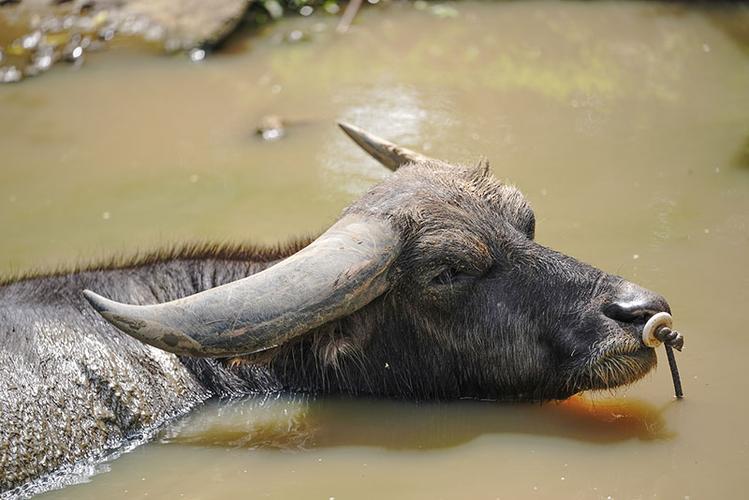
[658, 331]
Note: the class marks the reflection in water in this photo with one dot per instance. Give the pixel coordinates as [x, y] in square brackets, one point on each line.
[398, 109]
[272, 422]
[300, 422]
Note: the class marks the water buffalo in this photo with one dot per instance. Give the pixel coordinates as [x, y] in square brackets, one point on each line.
[429, 286]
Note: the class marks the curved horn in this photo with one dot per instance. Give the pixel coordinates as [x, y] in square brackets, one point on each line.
[387, 153]
[338, 273]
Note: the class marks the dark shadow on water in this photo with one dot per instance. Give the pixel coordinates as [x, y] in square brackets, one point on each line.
[741, 158]
[730, 17]
[297, 422]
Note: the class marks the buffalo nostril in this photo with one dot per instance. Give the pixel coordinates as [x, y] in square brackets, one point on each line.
[625, 313]
[635, 304]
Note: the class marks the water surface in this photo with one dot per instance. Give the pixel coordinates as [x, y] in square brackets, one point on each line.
[625, 124]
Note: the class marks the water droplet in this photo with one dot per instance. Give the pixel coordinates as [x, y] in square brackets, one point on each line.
[172, 45]
[51, 24]
[75, 53]
[154, 33]
[106, 215]
[306, 10]
[10, 74]
[30, 41]
[68, 22]
[106, 34]
[272, 134]
[444, 11]
[636, 256]
[197, 55]
[43, 59]
[85, 23]
[295, 36]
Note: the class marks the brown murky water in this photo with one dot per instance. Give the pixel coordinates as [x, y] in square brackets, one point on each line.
[626, 125]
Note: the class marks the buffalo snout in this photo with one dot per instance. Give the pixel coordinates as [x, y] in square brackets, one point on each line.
[634, 304]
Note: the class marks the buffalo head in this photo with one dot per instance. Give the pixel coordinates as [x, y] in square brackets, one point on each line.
[441, 261]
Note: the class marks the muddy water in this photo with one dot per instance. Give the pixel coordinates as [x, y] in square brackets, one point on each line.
[626, 125]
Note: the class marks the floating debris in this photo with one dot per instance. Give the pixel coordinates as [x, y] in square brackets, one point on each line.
[348, 16]
[271, 128]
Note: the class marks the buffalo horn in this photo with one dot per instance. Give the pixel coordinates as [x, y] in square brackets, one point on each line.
[338, 273]
[387, 153]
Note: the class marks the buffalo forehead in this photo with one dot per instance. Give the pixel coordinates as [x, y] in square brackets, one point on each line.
[427, 193]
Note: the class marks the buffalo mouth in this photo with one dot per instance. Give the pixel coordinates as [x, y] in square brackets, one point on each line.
[619, 360]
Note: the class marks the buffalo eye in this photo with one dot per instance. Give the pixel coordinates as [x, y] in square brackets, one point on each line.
[452, 276]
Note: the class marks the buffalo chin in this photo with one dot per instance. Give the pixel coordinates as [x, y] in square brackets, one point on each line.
[618, 369]
[613, 369]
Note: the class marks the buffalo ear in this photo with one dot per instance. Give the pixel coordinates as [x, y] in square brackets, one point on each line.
[483, 169]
